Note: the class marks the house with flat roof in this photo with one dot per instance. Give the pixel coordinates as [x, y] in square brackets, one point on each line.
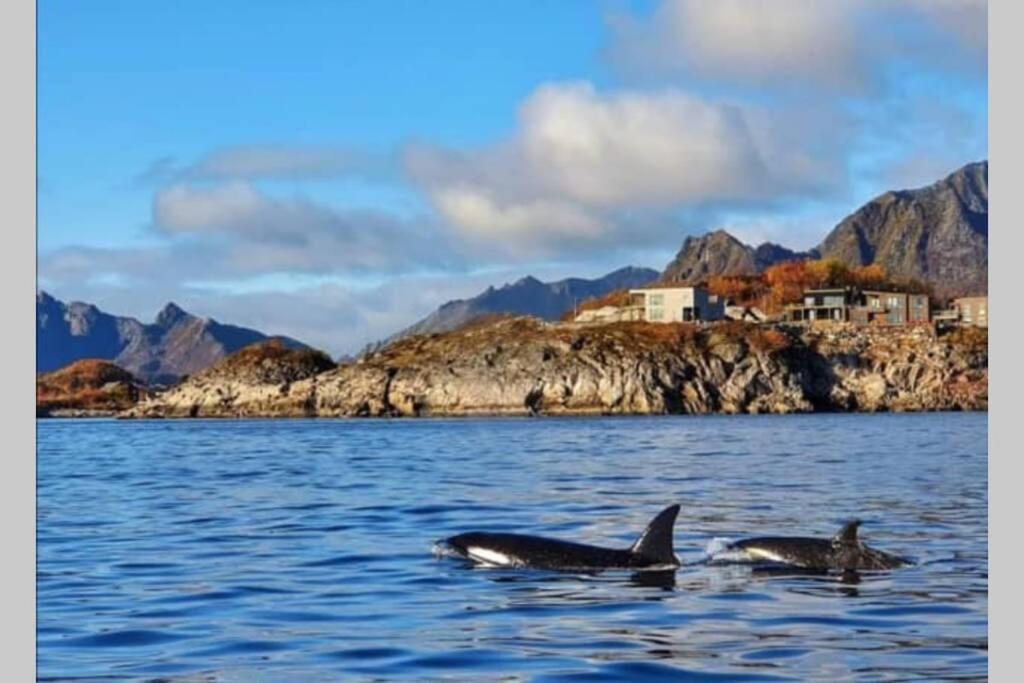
[672, 303]
[890, 308]
[849, 304]
[832, 303]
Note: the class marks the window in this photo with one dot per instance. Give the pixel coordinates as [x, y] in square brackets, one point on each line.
[656, 300]
[656, 313]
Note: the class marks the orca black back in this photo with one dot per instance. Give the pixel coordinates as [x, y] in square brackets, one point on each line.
[843, 551]
[654, 548]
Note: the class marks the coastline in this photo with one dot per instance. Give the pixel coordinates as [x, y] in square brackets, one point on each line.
[522, 367]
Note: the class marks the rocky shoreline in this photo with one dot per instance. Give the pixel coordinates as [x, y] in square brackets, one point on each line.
[523, 366]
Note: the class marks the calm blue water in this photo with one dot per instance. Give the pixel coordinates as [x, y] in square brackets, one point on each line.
[301, 550]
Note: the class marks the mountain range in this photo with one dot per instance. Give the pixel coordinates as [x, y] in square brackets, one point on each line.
[526, 296]
[937, 234]
[175, 344]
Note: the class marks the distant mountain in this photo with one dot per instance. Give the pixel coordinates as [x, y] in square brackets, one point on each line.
[938, 233]
[175, 344]
[719, 253]
[528, 296]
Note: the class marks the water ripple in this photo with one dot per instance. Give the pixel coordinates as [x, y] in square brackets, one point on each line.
[301, 549]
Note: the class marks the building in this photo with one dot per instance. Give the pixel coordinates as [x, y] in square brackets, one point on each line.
[668, 304]
[824, 304]
[972, 310]
[848, 304]
[890, 308]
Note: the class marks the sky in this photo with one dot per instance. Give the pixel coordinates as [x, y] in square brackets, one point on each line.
[334, 171]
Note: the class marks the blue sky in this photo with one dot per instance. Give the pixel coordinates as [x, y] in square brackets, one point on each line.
[335, 170]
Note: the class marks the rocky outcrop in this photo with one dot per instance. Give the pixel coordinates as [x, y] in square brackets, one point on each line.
[523, 366]
[177, 343]
[937, 234]
[719, 253]
[88, 387]
[256, 381]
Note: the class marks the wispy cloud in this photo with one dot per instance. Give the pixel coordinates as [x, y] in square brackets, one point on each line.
[271, 162]
[838, 46]
[259, 233]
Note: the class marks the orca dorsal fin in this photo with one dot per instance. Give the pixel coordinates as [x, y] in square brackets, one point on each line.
[655, 543]
[848, 534]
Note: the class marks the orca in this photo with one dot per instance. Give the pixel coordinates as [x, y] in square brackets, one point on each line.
[844, 551]
[652, 550]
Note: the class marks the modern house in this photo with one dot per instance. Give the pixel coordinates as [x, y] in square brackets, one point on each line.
[891, 308]
[972, 310]
[672, 303]
[848, 304]
[824, 304]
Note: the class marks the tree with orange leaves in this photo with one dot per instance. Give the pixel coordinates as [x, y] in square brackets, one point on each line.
[738, 289]
[869, 277]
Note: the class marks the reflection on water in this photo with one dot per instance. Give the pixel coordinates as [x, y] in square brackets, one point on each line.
[285, 550]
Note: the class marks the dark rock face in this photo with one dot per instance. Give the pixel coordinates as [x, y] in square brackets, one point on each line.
[716, 253]
[176, 344]
[769, 253]
[937, 234]
[528, 296]
[719, 253]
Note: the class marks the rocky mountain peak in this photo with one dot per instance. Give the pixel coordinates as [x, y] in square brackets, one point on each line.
[157, 353]
[714, 253]
[937, 234]
[170, 315]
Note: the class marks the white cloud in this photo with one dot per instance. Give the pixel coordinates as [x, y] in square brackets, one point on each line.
[836, 45]
[478, 213]
[230, 208]
[745, 40]
[581, 160]
[257, 233]
[626, 148]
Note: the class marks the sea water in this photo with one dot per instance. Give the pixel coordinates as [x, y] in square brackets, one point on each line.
[302, 549]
